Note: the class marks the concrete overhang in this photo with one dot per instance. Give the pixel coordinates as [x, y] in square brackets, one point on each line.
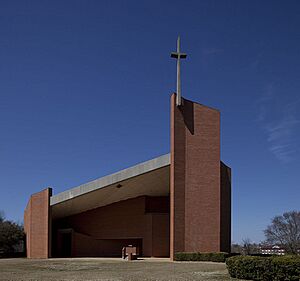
[150, 178]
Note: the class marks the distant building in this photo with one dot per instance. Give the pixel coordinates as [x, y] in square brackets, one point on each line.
[272, 250]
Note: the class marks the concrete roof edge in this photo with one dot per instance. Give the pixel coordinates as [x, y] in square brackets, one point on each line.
[114, 178]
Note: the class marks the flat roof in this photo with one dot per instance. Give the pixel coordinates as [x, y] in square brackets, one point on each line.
[134, 171]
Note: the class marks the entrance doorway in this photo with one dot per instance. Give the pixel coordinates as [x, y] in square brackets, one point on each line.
[64, 239]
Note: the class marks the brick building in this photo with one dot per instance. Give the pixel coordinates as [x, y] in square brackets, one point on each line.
[179, 202]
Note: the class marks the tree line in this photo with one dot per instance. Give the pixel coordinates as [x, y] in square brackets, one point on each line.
[283, 231]
[11, 235]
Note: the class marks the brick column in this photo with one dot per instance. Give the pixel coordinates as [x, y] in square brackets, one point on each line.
[37, 225]
[195, 182]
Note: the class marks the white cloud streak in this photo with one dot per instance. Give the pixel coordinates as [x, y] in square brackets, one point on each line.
[281, 131]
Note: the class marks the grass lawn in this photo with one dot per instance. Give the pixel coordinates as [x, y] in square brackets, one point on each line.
[109, 269]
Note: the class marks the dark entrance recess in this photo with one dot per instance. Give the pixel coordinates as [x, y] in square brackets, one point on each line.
[64, 239]
[66, 244]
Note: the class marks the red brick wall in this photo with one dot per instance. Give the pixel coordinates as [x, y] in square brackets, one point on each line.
[160, 235]
[177, 180]
[87, 246]
[122, 220]
[195, 182]
[37, 223]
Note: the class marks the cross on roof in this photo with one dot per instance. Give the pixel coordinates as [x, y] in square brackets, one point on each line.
[178, 56]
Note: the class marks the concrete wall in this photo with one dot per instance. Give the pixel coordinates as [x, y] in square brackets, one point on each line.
[37, 225]
[107, 226]
[195, 181]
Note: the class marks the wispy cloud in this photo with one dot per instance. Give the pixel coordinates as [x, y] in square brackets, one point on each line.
[281, 137]
[280, 125]
[263, 102]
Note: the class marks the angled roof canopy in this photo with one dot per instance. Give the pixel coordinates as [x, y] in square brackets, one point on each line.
[149, 178]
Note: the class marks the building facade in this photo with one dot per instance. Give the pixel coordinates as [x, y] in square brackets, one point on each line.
[179, 202]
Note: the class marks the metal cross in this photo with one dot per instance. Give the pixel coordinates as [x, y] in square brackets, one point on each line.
[178, 56]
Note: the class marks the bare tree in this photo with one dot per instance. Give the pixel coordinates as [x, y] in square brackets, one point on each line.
[249, 248]
[246, 246]
[236, 248]
[285, 231]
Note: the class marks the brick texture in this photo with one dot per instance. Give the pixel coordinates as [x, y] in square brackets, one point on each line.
[195, 181]
[37, 225]
[103, 231]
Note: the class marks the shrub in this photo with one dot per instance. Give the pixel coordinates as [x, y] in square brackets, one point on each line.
[279, 268]
[286, 266]
[215, 257]
[248, 267]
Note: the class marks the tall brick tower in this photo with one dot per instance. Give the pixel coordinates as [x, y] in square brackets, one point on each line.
[200, 188]
[200, 184]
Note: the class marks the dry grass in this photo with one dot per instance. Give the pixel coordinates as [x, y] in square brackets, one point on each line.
[109, 269]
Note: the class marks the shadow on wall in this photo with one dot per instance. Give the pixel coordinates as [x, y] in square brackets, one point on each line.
[187, 111]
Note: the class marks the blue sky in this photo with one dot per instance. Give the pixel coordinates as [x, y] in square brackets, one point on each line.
[85, 87]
